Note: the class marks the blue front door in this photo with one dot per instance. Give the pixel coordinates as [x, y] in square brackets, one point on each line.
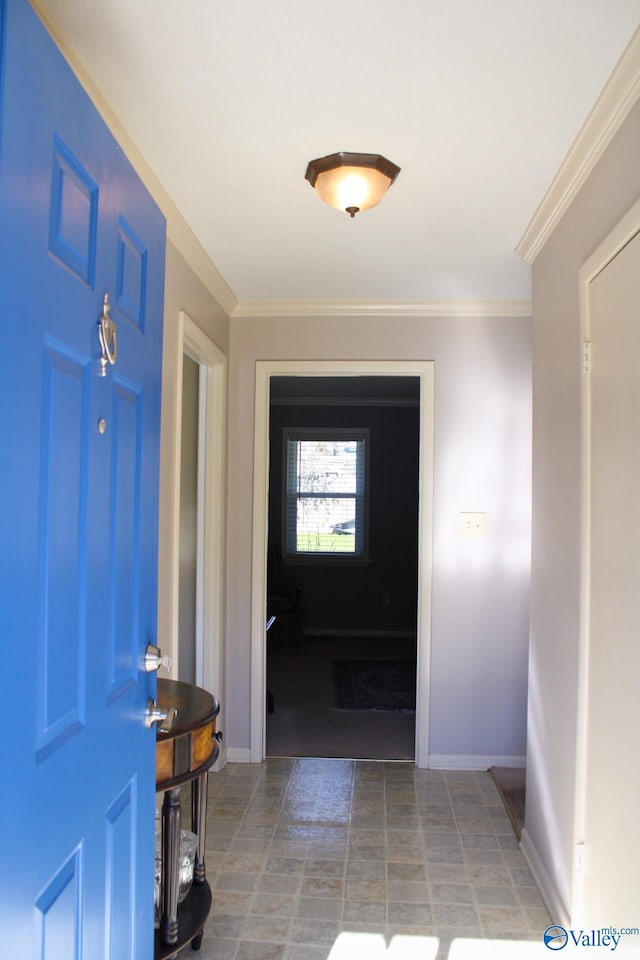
[79, 502]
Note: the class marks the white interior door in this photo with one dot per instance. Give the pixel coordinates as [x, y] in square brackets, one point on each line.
[609, 883]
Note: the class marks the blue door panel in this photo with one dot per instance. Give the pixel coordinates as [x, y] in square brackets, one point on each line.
[73, 217]
[120, 840]
[58, 921]
[61, 634]
[131, 285]
[78, 553]
[124, 554]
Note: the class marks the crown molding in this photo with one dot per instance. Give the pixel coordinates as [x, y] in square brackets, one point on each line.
[178, 230]
[381, 308]
[620, 94]
[194, 254]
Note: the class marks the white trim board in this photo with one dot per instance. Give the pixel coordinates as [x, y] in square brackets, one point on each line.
[552, 899]
[265, 369]
[222, 760]
[381, 308]
[473, 761]
[612, 107]
[210, 654]
[616, 240]
[238, 755]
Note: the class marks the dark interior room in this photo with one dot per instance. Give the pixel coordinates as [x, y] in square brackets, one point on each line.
[341, 652]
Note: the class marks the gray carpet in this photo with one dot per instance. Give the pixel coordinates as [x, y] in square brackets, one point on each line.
[305, 721]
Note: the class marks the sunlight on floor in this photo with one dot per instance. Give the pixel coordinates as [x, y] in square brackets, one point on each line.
[374, 946]
[467, 949]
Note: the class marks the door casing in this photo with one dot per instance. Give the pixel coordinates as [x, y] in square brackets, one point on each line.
[619, 237]
[210, 653]
[265, 369]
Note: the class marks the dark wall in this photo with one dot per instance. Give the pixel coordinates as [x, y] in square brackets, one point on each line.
[346, 596]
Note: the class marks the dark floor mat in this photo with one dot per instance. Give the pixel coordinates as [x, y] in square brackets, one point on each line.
[374, 684]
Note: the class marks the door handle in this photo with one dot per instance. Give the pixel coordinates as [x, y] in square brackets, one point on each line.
[154, 714]
[153, 659]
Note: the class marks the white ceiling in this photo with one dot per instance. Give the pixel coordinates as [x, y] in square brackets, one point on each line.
[477, 101]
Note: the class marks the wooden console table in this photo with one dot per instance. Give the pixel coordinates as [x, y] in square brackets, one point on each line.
[184, 753]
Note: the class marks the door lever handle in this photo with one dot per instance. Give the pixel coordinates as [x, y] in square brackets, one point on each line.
[168, 721]
[154, 714]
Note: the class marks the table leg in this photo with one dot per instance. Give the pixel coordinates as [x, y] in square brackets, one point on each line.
[199, 823]
[170, 865]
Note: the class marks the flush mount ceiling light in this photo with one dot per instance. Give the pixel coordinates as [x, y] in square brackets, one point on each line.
[352, 181]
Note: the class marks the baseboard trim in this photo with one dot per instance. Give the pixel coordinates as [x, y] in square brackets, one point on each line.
[381, 634]
[472, 761]
[222, 760]
[552, 899]
[238, 755]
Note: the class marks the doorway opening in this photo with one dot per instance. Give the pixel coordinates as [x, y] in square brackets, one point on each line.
[342, 567]
[353, 621]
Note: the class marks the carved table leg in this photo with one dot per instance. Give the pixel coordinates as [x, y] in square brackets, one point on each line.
[170, 865]
[199, 824]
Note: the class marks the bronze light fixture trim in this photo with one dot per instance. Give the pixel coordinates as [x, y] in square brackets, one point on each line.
[352, 181]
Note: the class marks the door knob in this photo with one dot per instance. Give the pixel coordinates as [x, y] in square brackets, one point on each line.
[154, 714]
[153, 659]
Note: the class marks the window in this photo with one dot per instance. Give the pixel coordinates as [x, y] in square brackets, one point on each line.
[325, 496]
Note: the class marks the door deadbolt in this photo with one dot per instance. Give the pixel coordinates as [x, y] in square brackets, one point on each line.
[153, 659]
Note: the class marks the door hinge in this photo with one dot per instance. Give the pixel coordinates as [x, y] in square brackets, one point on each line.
[586, 356]
[579, 857]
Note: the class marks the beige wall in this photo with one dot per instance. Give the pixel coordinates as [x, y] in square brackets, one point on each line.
[552, 726]
[183, 291]
[482, 463]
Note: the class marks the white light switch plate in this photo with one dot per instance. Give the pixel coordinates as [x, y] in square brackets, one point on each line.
[473, 526]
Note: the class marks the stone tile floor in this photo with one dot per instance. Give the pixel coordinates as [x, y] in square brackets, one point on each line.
[316, 859]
